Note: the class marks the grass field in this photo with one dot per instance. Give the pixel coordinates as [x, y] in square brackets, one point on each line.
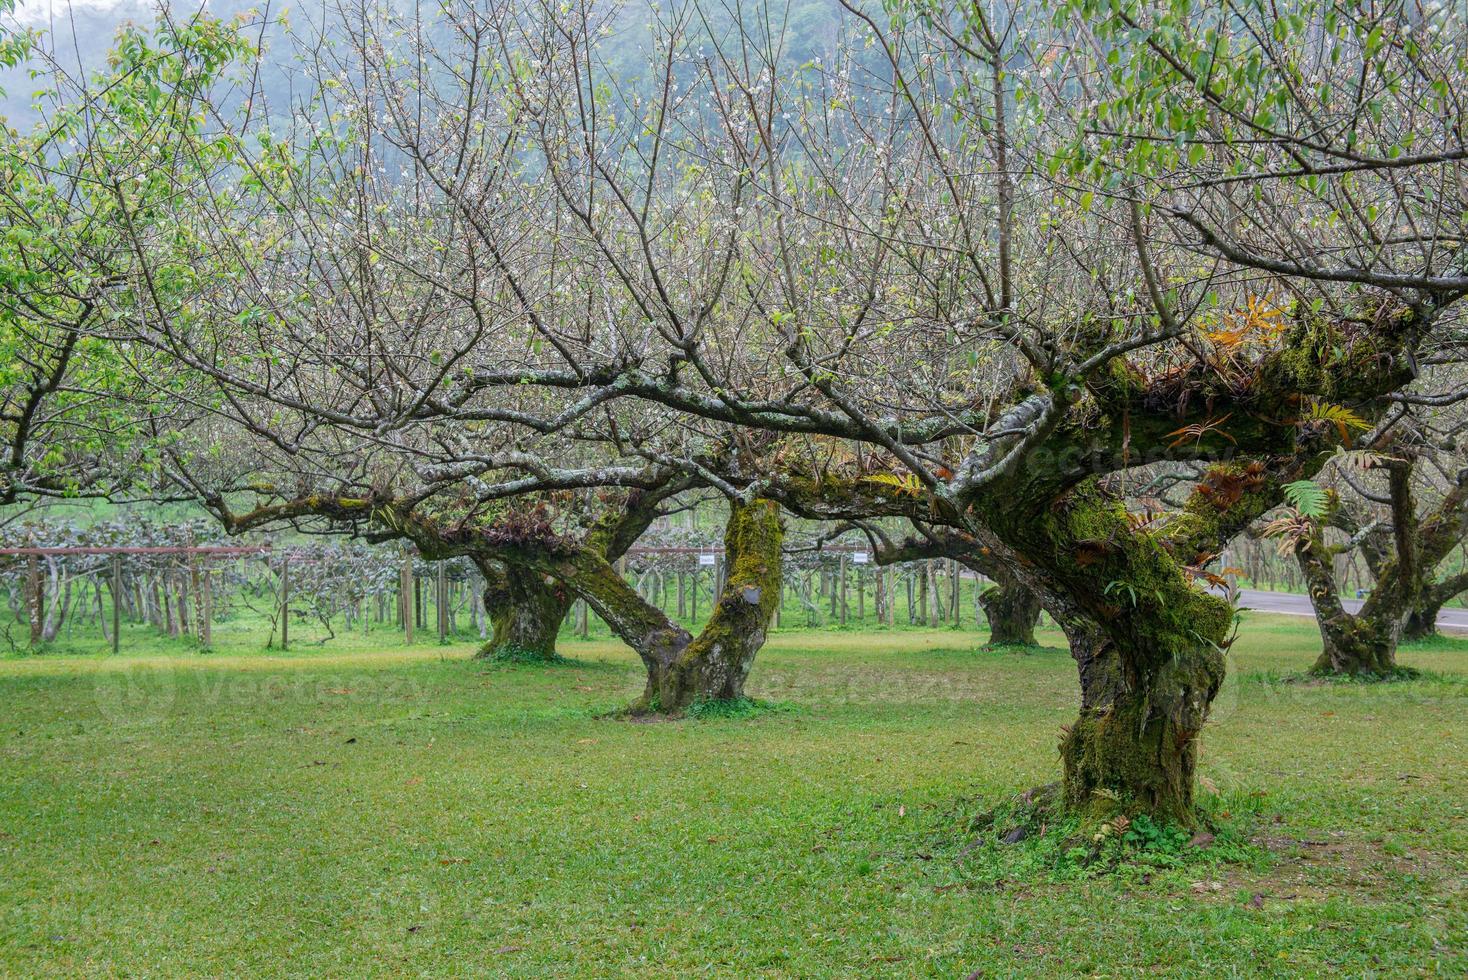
[358, 811]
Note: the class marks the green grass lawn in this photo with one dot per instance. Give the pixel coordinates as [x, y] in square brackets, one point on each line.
[354, 810]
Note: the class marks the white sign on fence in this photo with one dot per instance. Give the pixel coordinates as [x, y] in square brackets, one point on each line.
[859, 558]
[705, 559]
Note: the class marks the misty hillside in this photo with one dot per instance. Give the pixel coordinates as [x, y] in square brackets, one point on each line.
[79, 33]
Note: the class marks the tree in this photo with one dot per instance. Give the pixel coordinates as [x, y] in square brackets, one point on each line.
[99, 172]
[1011, 608]
[966, 290]
[526, 607]
[1403, 550]
[682, 669]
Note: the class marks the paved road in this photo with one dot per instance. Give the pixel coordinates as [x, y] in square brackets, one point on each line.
[1297, 605]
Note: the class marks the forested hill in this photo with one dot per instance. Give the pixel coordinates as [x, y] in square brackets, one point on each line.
[81, 32]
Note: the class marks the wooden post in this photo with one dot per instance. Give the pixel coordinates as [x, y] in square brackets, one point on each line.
[957, 572]
[843, 590]
[285, 602]
[934, 596]
[206, 615]
[116, 603]
[861, 595]
[408, 589]
[181, 599]
[168, 618]
[35, 599]
[889, 596]
[442, 602]
[196, 586]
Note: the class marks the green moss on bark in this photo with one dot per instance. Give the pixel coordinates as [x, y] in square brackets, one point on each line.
[525, 613]
[1012, 612]
[713, 666]
[1148, 646]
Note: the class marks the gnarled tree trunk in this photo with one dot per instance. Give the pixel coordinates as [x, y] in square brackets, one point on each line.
[525, 612]
[1148, 648]
[683, 669]
[714, 665]
[1134, 745]
[1362, 644]
[1013, 610]
[1422, 622]
[1354, 647]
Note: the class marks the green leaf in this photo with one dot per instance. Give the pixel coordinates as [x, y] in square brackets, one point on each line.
[1307, 497]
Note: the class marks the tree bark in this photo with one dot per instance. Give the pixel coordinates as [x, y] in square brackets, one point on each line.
[682, 669]
[1422, 621]
[1012, 610]
[1134, 745]
[714, 665]
[525, 613]
[1359, 645]
[1363, 644]
[1147, 645]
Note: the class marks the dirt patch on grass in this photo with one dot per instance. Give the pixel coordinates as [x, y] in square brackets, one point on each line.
[1334, 864]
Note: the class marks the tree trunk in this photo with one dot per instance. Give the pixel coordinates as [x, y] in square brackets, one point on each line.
[1012, 611]
[1422, 621]
[683, 669]
[1359, 645]
[525, 615]
[1147, 645]
[1134, 745]
[1354, 647]
[714, 665]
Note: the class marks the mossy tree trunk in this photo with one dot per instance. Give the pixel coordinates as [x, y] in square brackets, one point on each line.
[1362, 644]
[525, 597]
[525, 614]
[1422, 620]
[716, 662]
[1405, 601]
[681, 668]
[1133, 746]
[1011, 607]
[1148, 649]
[1013, 610]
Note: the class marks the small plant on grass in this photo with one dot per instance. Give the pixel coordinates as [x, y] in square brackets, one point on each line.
[1031, 838]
